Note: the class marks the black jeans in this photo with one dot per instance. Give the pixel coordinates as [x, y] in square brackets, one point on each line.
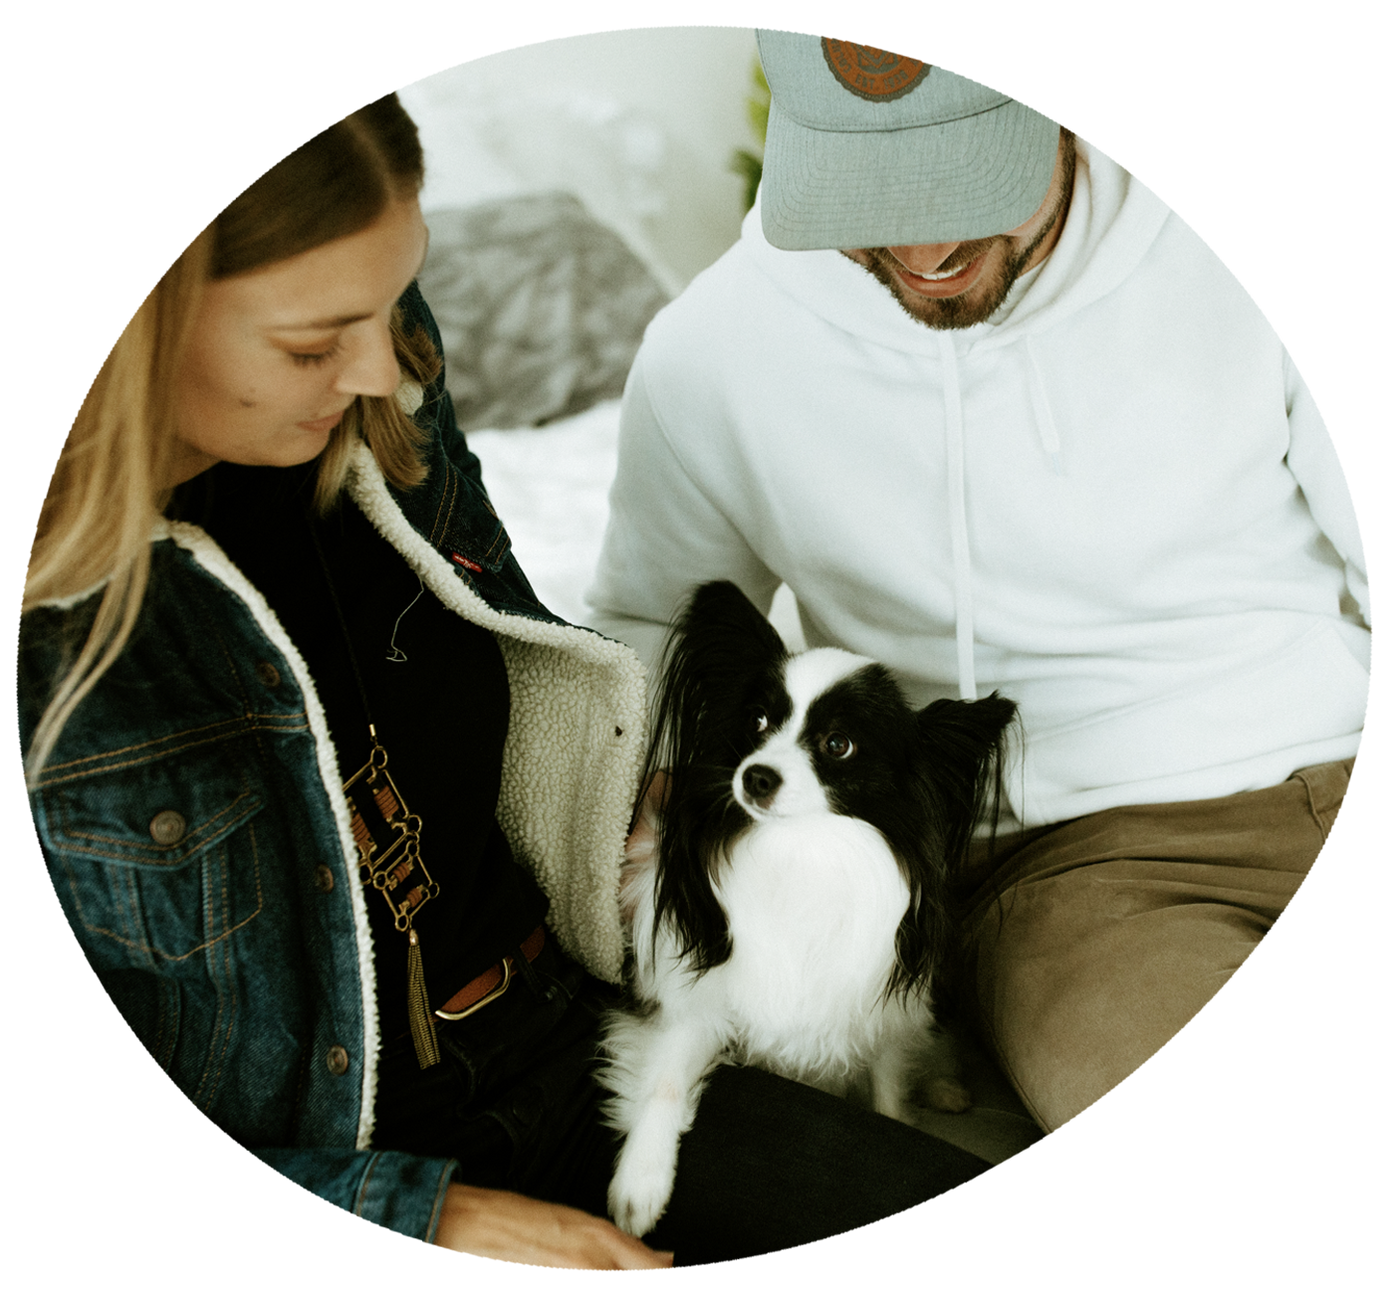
[769, 1163]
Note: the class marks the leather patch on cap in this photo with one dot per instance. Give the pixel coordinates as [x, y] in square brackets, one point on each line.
[873, 74]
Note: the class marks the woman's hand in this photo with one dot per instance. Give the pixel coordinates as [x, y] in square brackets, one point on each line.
[511, 1227]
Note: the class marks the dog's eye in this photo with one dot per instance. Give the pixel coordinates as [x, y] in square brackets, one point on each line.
[836, 745]
[760, 721]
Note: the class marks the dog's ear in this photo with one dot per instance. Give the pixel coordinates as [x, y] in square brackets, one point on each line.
[718, 646]
[722, 625]
[966, 740]
[962, 744]
[967, 725]
[719, 649]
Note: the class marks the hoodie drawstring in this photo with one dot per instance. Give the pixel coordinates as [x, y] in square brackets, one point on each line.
[957, 519]
[957, 494]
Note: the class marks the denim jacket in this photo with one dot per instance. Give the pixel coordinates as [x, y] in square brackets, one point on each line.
[195, 832]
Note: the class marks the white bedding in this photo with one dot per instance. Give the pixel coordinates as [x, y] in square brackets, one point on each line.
[549, 485]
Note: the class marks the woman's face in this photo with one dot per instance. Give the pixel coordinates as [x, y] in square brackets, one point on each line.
[277, 355]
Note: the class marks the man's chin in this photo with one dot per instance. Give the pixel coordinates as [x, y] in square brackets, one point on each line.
[947, 313]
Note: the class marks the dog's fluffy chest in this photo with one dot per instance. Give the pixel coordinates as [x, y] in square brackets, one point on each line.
[813, 905]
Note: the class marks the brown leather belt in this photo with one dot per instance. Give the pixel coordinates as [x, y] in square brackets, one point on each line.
[492, 984]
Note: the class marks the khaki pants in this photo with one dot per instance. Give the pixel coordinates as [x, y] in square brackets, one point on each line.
[1087, 945]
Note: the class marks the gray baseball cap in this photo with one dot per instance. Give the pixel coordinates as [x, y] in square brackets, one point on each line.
[871, 149]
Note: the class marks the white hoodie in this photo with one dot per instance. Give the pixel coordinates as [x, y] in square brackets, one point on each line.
[1116, 502]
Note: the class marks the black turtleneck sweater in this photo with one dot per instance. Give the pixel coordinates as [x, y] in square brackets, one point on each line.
[435, 687]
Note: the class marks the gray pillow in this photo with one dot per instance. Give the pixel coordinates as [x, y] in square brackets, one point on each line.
[541, 308]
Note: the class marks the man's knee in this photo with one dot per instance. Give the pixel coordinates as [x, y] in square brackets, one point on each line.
[1084, 976]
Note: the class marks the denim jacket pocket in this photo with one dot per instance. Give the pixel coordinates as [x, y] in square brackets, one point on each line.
[158, 860]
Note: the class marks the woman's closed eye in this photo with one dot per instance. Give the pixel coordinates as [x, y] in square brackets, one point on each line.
[311, 358]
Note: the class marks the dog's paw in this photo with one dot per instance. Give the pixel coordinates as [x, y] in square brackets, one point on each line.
[641, 1187]
[945, 1095]
[637, 1205]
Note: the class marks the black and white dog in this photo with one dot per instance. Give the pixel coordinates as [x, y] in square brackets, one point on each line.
[788, 903]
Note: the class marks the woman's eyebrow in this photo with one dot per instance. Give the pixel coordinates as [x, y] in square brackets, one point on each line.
[322, 325]
[344, 320]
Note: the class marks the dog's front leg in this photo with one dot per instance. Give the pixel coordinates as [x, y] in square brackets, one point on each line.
[667, 1063]
[889, 1082]
[937, 1074]
[916, 1066]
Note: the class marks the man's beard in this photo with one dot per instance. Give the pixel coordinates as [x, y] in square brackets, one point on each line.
[989, 293]
[976, 305]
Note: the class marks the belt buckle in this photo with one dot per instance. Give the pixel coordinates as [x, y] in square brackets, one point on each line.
[494, 994]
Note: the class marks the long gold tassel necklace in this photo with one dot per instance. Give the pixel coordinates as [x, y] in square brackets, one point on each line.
[387, 838]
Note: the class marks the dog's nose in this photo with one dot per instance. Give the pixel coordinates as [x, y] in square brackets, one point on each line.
[761, 784]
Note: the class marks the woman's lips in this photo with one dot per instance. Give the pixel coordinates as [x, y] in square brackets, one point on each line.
[950, 286]
[323, 425]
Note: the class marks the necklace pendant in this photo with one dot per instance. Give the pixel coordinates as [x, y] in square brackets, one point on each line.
[387, 837]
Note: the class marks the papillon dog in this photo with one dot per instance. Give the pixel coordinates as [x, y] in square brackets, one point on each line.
[786, 883]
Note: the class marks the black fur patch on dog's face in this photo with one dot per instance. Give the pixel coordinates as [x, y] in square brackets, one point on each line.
[862, 740]
[766, 709]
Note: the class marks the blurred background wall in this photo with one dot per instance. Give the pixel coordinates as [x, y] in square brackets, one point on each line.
[639, 125]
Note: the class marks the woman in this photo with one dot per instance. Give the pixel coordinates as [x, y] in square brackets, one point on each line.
[273, 341]
[322, 906]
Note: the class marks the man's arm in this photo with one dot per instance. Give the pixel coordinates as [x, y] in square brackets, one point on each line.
[666, 534]
[1315, 466]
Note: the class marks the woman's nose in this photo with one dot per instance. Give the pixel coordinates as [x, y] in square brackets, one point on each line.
[372, 367]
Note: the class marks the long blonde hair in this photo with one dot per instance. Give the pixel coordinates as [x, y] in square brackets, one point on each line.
[109, 487]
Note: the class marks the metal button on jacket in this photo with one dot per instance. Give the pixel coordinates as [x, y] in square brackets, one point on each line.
[267, 674]
[338, 1060]
[167, 827]
[325, 879]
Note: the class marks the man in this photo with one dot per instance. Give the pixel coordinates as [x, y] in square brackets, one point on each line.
[1001, 421]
